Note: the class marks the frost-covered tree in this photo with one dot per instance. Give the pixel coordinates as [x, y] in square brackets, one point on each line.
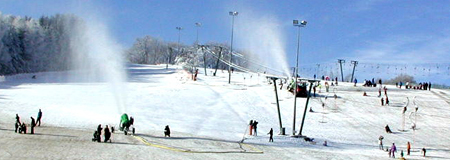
[35, 45]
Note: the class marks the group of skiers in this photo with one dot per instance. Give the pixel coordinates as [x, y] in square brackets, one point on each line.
[21, 127]
[253, 126]
[106, 133]
[420, 86]
[371, 83]
[383, 100]
[334, 81]
[393, 148]
[253, 130]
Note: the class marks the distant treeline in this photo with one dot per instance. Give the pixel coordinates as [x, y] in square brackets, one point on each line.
[35, 45]
[150, 50]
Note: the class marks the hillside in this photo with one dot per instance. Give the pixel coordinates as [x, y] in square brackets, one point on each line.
[211, 115]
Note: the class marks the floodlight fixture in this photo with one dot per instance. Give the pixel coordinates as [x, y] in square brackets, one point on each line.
[301, 24]
[233, 13]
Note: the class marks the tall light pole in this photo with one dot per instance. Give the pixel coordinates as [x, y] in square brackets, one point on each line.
[198, 25]
[178, 44]
[296, 24]
[179, 36]
[233, 14]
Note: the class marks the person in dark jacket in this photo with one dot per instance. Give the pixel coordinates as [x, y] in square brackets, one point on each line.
[23, 128]
[99, 131]
[167, 131]
[17, 123]
[387, 100]
[424, 151]
[33, 124]
[255, 126]
[39, 116]
[271, 135]
[131, 120]
[250, 125]
[95, 136]
[388, 130]
[107, 134]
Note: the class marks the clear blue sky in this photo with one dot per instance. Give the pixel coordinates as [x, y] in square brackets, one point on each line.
[371, 31]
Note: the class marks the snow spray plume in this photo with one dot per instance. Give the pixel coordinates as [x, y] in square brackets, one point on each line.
[97, 58]
[263, 38]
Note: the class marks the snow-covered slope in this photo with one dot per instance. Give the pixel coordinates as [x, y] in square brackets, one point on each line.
[210, 107]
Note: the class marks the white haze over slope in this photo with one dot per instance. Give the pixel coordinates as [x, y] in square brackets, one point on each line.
[98, 58]
[264, 38]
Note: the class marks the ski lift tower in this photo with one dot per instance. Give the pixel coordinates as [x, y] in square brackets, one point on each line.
[311, 83]
[274, 79]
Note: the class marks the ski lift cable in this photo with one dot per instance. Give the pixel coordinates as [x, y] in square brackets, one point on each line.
[242, 68]
[238, 67]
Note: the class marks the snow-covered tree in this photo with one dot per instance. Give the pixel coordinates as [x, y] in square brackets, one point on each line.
[35, 45]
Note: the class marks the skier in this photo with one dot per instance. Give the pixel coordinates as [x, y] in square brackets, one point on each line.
[325, 143]
[424, 151]
[387, 100]
[99, 132]
[401, 153]
[388, 130]
[33, 123]
[167, 131]
[107, 134]
[429, 86]
[404, 110]
[379, 92]
[271, 135]
[17, 123]
[408, 148]
[314, 89]
[380, 142]
[281, 84]
[255, 126]
[356, 81]
[393, 150]
[382, 101]
[251, 126]
[39, 116]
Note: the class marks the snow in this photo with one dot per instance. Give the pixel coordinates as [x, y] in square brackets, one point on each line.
[211, 115]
